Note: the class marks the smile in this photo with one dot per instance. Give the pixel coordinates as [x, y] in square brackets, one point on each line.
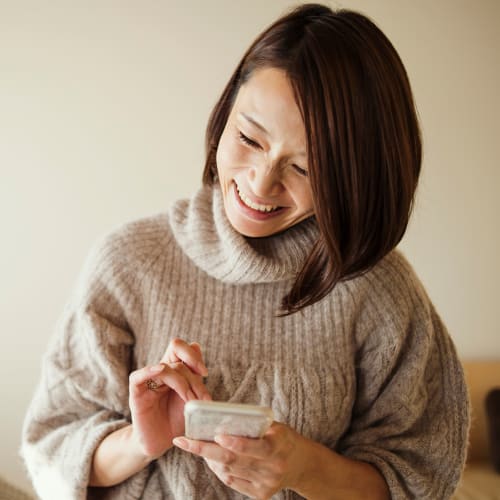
[255, 206]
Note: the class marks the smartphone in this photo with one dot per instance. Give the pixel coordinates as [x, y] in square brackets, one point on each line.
[206, 419]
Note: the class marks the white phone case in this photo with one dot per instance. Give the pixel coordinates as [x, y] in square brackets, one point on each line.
[206, 419]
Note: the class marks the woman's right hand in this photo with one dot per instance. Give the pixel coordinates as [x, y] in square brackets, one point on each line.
[158, 414]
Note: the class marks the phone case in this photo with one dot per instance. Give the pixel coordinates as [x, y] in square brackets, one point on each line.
[205, 419]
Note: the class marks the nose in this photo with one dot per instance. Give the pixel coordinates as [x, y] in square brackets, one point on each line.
[265, 180]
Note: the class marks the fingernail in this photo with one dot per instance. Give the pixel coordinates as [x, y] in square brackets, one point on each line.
[202, 369]
[156, 368]
[207, 397]
[180, 442]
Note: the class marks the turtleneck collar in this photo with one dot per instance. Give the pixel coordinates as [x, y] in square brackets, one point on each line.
[203, 231]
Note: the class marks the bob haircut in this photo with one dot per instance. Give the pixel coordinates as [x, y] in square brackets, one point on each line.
[363, 138]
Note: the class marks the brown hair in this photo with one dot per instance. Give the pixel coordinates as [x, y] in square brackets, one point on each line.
[363, 138]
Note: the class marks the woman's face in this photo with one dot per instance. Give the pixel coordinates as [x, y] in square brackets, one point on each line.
[262, 158]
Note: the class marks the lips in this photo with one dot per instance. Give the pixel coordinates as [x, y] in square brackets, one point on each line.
[255, 206]
[261, 212]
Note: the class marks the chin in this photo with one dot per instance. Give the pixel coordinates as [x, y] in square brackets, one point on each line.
[253, 232]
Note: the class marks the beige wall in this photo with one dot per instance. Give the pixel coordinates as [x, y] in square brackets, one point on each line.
[103, 106]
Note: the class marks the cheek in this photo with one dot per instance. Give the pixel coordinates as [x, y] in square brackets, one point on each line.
[232, 155]
[305, 199]
[225, 154]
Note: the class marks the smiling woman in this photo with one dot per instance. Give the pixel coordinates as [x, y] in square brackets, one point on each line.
[276, 284]
[339, 105]
[264, 190]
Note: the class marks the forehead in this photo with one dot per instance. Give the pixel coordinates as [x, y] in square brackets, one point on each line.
[268, 97]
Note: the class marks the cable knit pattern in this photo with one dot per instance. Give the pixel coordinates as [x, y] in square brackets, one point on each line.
[369, 371]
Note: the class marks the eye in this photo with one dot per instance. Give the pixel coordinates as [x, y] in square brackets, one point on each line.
[248, 141]
[300, 170]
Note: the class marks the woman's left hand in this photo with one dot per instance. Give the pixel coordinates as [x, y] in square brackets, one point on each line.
[255, 467]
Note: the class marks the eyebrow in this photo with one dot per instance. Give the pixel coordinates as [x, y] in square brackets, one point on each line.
[263, 129]
[255, 123]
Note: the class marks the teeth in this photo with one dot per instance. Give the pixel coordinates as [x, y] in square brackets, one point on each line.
[256, 206]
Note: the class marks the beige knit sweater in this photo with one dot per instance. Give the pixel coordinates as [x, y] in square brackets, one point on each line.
[369, 371]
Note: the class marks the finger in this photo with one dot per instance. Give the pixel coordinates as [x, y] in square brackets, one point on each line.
[230, 479]
[176, 379]
[138, 379]
[257, 448]
[247, 488]
[224, 462]
[196, 346]
[207, 450]
[249, 470]
[195, 381]
[179, 350]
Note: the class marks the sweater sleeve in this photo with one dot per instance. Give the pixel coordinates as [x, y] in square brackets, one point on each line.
[82, 394]
[411, 415]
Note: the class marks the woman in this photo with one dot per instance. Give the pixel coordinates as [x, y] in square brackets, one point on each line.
[276, 284]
